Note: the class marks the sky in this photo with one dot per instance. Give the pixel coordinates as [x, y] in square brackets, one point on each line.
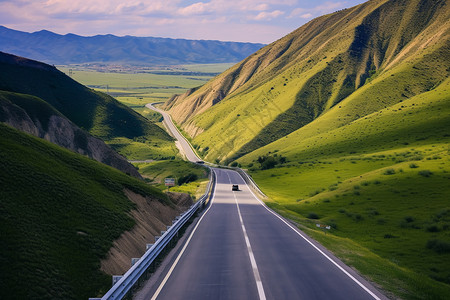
[259, 21]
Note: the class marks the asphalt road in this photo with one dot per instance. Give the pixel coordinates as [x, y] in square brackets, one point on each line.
[239, 249]
[182, 143]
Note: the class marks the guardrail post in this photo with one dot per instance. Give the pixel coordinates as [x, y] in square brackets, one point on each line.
[134, 260]
[116, 278]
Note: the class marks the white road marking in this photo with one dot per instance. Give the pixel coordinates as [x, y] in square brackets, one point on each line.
[259, 285]
[314, 246]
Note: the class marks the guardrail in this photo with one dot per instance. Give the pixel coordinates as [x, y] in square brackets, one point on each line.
[132, 276]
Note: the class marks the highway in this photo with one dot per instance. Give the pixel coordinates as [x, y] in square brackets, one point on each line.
[240, 249]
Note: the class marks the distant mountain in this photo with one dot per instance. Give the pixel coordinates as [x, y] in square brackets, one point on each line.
[334, 70]
[53, 48]
[39, 99]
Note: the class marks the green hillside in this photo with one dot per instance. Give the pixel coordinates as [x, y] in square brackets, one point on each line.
[355, 62]
[99, 114]
[59, 213]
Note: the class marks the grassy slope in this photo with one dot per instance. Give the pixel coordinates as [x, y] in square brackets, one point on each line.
[99, 114]
[382, 224]
[60, 213]
[159, 170]
[305, 74]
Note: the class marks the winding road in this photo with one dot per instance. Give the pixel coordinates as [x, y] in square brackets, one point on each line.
[240, 249]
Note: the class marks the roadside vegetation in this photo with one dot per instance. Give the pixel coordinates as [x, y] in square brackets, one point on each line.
[190, 178]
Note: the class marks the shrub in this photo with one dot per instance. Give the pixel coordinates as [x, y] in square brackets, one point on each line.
[413, 165]
[439, 246]
[389, 172]
[188, 178]
[312, 194]
[389, 236]
[425, 173]
[433, 228]
[312, 215]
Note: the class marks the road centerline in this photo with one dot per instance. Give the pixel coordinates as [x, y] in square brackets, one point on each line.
[259, 285]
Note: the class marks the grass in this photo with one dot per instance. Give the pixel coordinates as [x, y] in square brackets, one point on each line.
[60, 213]
[157, 171]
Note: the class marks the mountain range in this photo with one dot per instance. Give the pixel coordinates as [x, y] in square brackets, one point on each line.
[54, 48]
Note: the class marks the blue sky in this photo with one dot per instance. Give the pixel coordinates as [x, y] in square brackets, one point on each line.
[261, 21]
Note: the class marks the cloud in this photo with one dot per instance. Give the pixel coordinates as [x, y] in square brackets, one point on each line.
[194, 9]
[267, 16]
[317, 10]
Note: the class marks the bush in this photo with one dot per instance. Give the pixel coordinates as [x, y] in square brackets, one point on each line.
[389, 236]
[413, 165]
[389, 172]
[312, 215]
[439, 246]
[425, 173]
[433, 228]
[188, 178]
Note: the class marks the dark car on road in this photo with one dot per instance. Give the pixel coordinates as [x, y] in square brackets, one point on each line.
[235, 187]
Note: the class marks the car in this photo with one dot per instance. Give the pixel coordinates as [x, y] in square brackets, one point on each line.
[235, 187]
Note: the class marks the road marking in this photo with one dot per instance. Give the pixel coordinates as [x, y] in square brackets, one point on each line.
[161, 286]
[259, 285]
[314, 246]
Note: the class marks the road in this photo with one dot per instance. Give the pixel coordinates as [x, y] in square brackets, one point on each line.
[182, 143]
[240, 249]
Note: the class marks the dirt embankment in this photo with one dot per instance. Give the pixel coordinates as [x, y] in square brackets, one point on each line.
[151, 218]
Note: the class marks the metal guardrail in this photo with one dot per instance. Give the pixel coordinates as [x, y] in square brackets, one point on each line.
[131, 277]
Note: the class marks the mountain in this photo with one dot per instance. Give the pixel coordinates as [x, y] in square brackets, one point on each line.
[39, 99]
[334, 70]
[53, 48]
[60, 215]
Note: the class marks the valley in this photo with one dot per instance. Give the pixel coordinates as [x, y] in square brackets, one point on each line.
[344, 125]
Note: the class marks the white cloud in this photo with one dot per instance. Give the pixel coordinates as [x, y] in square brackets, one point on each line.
[316, 11]
[267, 16]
